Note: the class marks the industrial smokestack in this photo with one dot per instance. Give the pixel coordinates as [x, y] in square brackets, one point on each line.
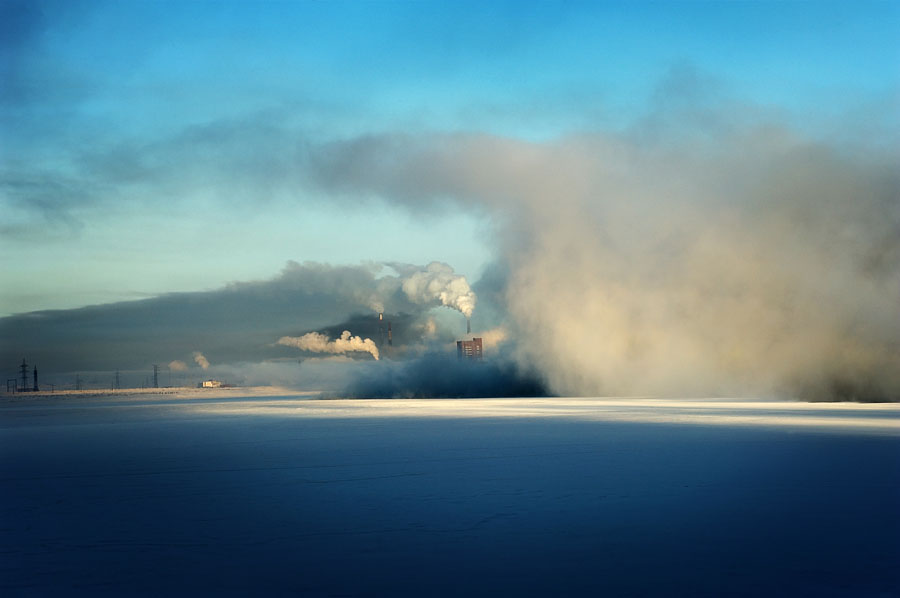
[35, 389]
[468, 326]
[24, 368]
[390, 336]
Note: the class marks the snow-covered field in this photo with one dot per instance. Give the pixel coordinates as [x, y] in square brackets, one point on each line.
[282, 494]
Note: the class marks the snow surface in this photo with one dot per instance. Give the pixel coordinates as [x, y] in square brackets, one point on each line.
[222, 494]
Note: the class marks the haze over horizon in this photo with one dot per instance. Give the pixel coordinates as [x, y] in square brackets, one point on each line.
[672, 199]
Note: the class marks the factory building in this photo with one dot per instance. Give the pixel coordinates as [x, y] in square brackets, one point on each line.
[469, 349]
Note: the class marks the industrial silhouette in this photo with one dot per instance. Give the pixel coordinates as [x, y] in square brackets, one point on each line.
[469, 349]
[22, 386]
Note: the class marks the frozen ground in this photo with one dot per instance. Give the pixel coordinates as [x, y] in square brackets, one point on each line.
[224, 493]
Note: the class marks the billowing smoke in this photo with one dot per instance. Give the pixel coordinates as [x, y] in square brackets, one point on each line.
[179, 366]
[379, 287]
[320, 343]
[376, 304]
[699, 253]
[200, 360]
[707, 249]
[437, 283]
[493, 338]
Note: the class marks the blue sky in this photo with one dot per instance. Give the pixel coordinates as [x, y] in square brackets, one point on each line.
[152, 147]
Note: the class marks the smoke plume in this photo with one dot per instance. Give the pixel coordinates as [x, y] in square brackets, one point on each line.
[695, 254]
[320, 343]
[437, 283]
[178, 366]
[372, 285]
[710, 248]
[200, 360]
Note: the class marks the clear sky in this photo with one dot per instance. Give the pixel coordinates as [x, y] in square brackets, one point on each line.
[151, 147]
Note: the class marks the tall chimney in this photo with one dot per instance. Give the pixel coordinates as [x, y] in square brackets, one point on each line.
[24, 368]
[35, 379]
[468, 326]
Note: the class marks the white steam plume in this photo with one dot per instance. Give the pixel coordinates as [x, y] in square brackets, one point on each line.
[200, 360]
[438, 283]
[378, 286]
[177, 365]
[320, 343]
[375, 305]
[697, 254]
[494, 337]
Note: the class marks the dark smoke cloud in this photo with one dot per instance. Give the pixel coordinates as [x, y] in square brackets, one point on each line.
[439, 375]
[435, 374]
[238, 324]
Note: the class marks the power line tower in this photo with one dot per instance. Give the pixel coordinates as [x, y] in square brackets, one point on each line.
[24, 368]
[155, 376]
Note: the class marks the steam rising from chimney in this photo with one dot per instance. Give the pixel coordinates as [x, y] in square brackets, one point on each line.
[713, 255]
[178, 366]
[200, 360]
[319, 343]
[438, 282]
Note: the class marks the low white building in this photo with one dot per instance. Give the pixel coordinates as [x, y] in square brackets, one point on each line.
[210, 384]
